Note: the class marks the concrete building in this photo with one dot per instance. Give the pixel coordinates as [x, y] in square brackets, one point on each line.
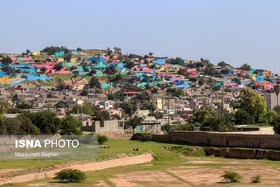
[103, 126]
[271, 100]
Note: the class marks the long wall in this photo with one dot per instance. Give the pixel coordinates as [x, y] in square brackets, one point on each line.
[219, 139]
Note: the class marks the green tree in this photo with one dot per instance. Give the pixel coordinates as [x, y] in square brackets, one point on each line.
[62, 104]
[27, 127]
[3, 130]
[6, 60]
[102, 115]
[246, 67]
[134, 122]
[70, 175]
[43, 69]
[202, 115]
[253, 104]
[129, 108]
[87, 109]
[70, 126]
[84, 92]
[110, 70]
[109, 51]
[166, 127]
[58, 67]
[12, 125]
[46, 121]
[243, 118]
[94, 82]
[151, 54]
[223, 64]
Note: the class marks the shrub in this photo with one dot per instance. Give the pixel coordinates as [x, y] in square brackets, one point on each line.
[70, 175]
[256, 179]
[102, 139]
[231, 176]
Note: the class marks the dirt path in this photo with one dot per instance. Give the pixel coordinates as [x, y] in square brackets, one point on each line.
[83, 167]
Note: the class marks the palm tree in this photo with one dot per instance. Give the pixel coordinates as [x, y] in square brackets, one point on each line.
[277, 90]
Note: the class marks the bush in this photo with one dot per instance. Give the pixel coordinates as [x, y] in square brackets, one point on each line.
[70, 175]
[231, 176]
[102, 139]
[256, 179]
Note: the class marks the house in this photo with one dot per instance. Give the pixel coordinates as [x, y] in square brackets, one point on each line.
[103, 126]
[35, 53]
[159, 61]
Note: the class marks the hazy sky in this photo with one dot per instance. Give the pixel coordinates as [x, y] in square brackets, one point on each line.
[236, 31]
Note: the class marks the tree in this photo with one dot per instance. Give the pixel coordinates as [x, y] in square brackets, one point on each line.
[46, 121]
[202, 115]
[129, 108]
[166, 127]
[134, 122]
[94, 82]
[3, 130]
[12, 125]
[253, 104]
[70, 175]
[87, 109]
[151, 54]
[276, 125]
[201, 82]
[223, 64]
[147, 105]
[243, 118]
[219, 123]
[176, 92]
[6, 60]
[79, 49]
[70, 126]
[102, 115]
[58, 67]
[84, 92]
[43, 69]
[277, 109]
[110, 70]
[109, 51]
[270, 116]
[210, 70]
[62, 104]
[27, 127]
[92, 72]
[277, 90]
[118, 50]
[231, 176]
[246, 67]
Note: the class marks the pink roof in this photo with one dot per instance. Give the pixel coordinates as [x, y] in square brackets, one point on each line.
[191, 70]
[148, 70]
[164, 74]
[177, 78]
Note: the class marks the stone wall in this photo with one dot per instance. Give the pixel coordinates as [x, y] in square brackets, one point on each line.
[219, 139]
[121, 135]
[243, 153]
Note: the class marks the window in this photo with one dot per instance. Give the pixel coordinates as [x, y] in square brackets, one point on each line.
[101, 123]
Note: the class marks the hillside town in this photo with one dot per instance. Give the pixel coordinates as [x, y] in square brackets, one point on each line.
[106, 90]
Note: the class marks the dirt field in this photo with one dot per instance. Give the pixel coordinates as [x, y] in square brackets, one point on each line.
[167, 169]
[194, 172]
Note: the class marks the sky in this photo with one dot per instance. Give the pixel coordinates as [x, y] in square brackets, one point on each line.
[234, 31]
